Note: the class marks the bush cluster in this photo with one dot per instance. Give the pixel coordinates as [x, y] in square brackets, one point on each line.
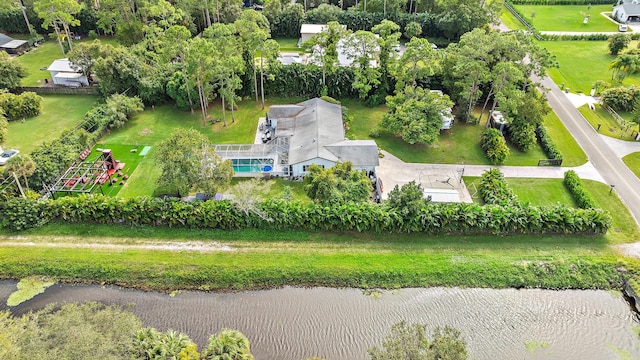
[621, 98]
[21, 106]
[560, 2]
[457, 218]
[582, 198]
[495, 190]
[358, 20]
[582, 37]
[495, 146]
[547, 143]
[299, 80]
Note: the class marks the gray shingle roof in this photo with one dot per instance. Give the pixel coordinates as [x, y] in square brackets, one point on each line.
[4, 39]
[359, 152]
[316, 131]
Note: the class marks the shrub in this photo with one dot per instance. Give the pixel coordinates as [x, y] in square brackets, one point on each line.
[621, 98]
[547, 143]
[560, 2]
[578, 192]
[523, 137]
[495, 190]
[455, 218]
[374, 133]
[495, 146]
[27, 104]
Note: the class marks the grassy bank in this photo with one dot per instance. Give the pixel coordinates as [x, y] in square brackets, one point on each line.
[633, 162]
[252, 260]
[604, 123]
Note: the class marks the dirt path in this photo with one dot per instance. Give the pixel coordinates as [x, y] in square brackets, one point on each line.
[196, 246]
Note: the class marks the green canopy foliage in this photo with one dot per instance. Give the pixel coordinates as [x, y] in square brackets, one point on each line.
[338, 184]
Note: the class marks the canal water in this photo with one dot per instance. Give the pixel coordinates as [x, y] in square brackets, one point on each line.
[296, 323]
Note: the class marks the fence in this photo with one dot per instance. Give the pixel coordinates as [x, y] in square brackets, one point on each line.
[87, 90]
[550, 162]
[621, 122]
[524, 22]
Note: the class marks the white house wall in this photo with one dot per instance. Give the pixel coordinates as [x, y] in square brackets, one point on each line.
[620, 14]
[298, 168]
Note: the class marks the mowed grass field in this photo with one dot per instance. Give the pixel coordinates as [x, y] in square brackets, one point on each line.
[459, 145]
[633, 162]
[59, 113]
[156, 124]
[582, 63]
[568, 17]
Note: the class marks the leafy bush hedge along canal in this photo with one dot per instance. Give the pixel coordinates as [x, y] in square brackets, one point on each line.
[456, 218]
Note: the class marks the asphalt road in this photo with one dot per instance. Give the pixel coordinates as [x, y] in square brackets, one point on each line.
[605, 161]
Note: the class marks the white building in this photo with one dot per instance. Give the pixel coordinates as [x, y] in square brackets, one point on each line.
[307, 31]
[310, 132]
[64, 73]
[627, 11]
[446, 115]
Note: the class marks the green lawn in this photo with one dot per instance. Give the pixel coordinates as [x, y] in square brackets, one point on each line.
[288, 44]
[572, 153]
[131, 160]
[568, 17]
[582, 63]
[623, 228]
[154, 125]
[608, 126]
[633, 162]
[59, 113]
[510, 21]
[541, 192]
[41, 57]
[460, 145]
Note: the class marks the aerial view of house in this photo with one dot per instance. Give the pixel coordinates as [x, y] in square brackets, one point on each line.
[307, 180]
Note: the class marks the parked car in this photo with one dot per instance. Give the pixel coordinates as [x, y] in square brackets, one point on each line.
[6, 155]
[623, 27]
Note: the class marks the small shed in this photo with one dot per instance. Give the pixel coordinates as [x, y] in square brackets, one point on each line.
[13, 46]
[65, 74]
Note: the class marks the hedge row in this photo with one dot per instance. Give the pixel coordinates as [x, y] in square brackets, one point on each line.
[580, 195]
[20, 214]
[550, 148]
[562, 2]
[495, 190]
[587, 37]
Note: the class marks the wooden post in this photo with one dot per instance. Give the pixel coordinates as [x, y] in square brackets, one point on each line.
[19, 186]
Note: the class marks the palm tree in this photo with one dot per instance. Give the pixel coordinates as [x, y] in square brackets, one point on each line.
[23, 166]
[228, 345]
[624, 65]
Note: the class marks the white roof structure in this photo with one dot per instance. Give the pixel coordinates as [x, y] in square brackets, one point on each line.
[66, 75]
[63, 65]
[14, 44]
[313, 28]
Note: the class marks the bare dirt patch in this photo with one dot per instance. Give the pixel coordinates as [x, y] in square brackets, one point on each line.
[631, 250]
[194, 246]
